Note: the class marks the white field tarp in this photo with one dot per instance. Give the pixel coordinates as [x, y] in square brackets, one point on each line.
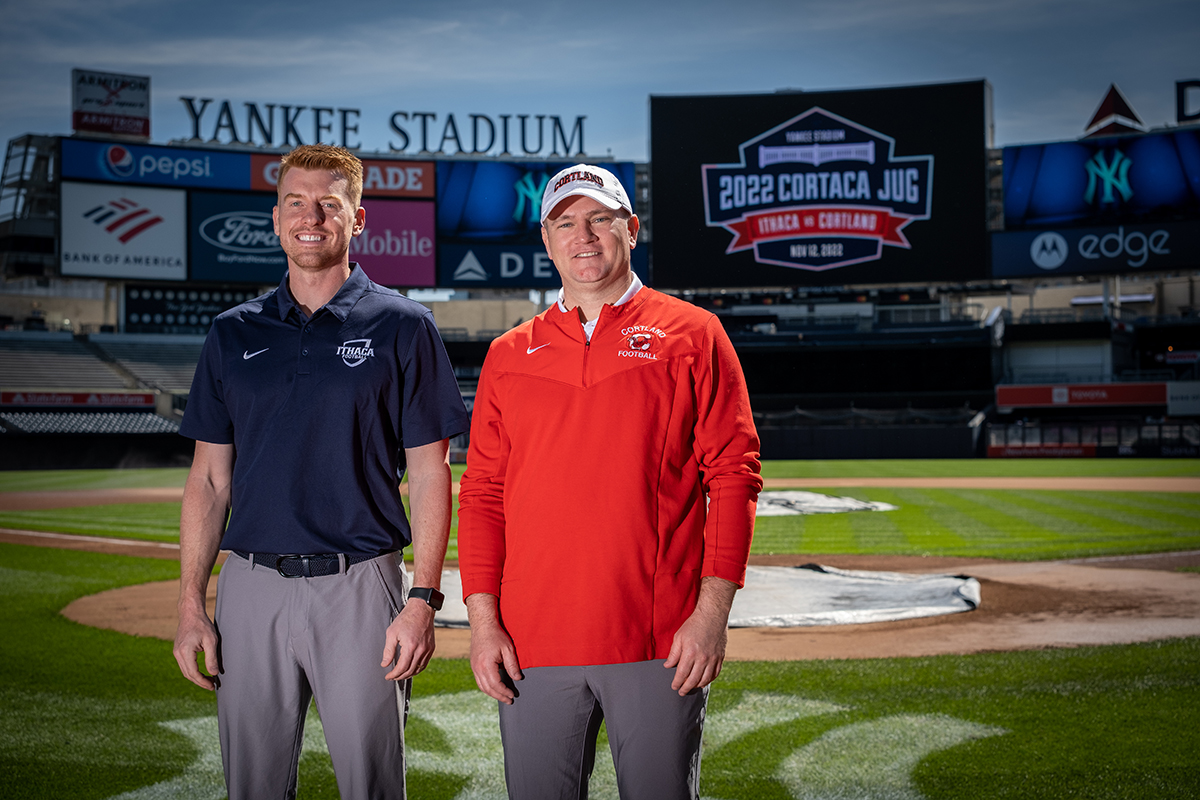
[783, 597]
[811, 595]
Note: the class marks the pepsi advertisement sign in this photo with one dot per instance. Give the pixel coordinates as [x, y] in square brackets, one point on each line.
[154, 166]
[489, 223]
[233, 239]
[1110, 249]
[820, 188]
[1103, 181]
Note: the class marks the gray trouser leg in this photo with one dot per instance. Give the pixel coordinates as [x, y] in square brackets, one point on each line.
[284, 639]
[549, 732]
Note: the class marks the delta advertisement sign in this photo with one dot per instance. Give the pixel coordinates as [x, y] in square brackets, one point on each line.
[233, 240]
[111, 231]
[865, 186]
[489, 223]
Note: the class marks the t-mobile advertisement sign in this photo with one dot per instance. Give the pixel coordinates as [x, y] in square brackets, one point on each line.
[397, 246]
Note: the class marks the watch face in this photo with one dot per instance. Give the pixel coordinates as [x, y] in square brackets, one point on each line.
[431, 596]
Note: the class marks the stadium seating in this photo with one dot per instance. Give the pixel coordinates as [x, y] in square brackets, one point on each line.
[49, 360]
[157, 361]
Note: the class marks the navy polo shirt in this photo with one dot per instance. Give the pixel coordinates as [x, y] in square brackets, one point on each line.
[319, 412]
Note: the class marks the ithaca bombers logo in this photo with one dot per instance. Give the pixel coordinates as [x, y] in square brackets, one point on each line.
[817, 192]
[355, 352]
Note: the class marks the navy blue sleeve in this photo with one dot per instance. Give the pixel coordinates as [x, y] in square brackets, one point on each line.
[431, 406]
[206, 417]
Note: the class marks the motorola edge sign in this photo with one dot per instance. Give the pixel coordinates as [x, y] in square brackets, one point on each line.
[1113, 249]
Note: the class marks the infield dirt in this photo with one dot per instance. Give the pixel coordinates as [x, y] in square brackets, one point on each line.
[1115, 600]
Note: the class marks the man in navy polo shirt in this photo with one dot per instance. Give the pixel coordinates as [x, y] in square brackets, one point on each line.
[308, 405]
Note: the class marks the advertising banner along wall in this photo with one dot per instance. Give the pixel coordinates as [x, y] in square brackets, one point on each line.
[489, 222]
[111, 231]
[1108, 181]
[233, 239]
[866, 186]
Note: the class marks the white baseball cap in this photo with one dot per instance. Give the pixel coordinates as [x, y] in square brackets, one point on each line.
[594, 182]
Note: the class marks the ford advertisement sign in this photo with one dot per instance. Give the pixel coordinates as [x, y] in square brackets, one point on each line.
[154, 166]
[233, 238]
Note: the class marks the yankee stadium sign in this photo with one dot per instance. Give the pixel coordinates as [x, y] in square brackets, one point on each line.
[816, 193]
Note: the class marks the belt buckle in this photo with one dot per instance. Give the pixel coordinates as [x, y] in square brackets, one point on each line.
[304, 561]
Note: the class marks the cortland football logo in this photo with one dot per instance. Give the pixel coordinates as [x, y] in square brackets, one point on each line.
[355, 352]
[640, 341]
[123, 218]
[817, 192]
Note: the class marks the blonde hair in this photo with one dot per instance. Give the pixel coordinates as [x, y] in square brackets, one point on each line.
[328, 157]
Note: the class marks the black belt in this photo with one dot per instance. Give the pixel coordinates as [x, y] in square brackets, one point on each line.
[304, 566]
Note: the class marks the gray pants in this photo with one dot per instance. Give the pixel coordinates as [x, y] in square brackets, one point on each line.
[549, 732]
[284, 640]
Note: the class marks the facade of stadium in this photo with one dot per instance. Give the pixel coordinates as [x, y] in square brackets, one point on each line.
[891, 292]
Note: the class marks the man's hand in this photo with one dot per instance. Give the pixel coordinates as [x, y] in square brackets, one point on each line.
[493, 657]
[698, 649]
[408, 641]
[196, 633]
[202, 518]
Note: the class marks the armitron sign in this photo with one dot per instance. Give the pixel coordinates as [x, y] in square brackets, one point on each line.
[104, 102]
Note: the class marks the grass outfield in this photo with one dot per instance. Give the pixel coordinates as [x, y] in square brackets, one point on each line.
[1012, 524]
[89, 714]
[51, 480]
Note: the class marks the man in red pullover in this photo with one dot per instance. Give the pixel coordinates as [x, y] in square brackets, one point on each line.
[606, 513]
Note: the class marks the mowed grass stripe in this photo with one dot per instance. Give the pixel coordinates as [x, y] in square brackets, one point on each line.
[1128, 510]
[1022, 525]
[1022, 528]
[157, 522]
[1031, 507]
[921, 529]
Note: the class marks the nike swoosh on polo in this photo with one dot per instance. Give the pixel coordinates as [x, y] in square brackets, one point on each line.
[529, 350]
[247, 355]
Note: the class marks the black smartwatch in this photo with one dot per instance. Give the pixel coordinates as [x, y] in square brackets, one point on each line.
[431, 596]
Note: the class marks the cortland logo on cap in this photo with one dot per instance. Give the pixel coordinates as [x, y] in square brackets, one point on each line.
[118, 160]
[589, 181]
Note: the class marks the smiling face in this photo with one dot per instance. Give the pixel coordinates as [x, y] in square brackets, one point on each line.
[316, 219]
[589, 244]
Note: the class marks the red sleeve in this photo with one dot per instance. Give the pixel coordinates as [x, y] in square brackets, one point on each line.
[727, 448]
[481, 492]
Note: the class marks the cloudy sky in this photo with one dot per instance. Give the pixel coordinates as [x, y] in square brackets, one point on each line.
[1049, 61]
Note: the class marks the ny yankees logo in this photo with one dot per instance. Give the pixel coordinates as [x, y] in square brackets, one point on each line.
[1114, 175]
